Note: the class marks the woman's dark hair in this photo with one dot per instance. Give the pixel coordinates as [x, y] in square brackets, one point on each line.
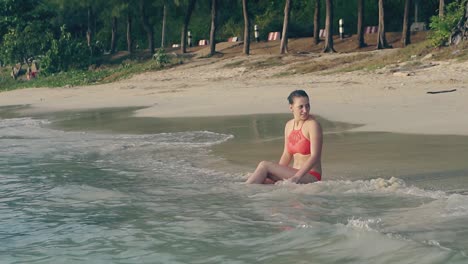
[296, 93]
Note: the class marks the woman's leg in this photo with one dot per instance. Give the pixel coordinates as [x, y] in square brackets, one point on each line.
[271, 170]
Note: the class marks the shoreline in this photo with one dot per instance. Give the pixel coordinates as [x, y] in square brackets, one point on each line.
[381, 101]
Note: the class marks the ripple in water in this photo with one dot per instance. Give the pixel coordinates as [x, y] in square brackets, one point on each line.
[99, 198]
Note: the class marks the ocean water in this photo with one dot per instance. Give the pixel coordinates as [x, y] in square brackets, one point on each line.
[102, 187]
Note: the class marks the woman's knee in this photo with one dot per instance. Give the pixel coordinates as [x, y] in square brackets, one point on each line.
[263, 164]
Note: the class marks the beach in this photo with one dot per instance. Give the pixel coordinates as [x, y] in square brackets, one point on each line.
[381, 100]
[152, 168]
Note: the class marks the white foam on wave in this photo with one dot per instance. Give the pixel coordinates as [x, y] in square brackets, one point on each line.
[24, 121]
[370, 224]
[373, 186]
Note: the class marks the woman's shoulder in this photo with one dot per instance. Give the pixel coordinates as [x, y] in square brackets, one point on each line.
[312, 123]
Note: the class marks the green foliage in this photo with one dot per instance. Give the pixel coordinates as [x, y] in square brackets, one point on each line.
[21, 44]
[81, 77]
[65, 53]
[161, 58]
[442, 26]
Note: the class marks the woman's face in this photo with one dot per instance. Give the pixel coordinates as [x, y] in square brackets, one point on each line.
[300, 108]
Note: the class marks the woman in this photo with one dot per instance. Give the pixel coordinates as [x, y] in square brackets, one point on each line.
[302, 142]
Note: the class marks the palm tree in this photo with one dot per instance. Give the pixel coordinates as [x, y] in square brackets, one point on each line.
[328, 27]
[118, 6]
[147, 26]
[129, 31]
[360, 24]
[381, 40]
[284, 39]
[90, 31]
[405, 35]
[188, 14]
[214, 14]
[317, 22]
[441, 8]
[245, 11]
[163, 26]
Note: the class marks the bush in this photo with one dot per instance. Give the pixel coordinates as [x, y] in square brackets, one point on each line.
[161, 58]
[20, 45]
[442, 26]
[65, 53]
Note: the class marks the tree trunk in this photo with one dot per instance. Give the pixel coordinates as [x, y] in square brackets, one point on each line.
[405, 34]
[163, 30]
[381, 39]
[89, 32]
[114, 35]
[245, 10]
[129, 33]
[317, 22]
[147, 27]
[328, 27]
[214, 14]
[441, 8]
[360, 24]
[188, 14]
[284, 34]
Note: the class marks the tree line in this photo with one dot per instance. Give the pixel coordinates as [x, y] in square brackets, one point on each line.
[72, 29]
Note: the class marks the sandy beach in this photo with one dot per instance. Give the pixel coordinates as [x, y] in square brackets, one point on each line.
[382, 100]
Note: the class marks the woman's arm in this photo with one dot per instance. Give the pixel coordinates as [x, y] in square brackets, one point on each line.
[286, 156]
[316, 141]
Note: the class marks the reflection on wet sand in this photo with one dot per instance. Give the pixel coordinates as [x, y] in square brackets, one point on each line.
[429, 161]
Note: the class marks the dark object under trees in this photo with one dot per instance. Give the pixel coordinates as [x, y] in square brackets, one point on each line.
[188, 14]
[317, 22]
[147, 27]
[360, 24]
[328, 27]
[214, 14]
[406, 34]
[284, 35]
[245, 11]
[381, 39]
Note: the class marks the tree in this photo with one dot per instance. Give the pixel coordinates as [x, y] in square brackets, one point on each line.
[381, 39]
[360, 24]
[163, 27]
[441, 8]
[129, 32]
[284, 38]
[405, 35]
[214, 13]
[245, 11]
[147, 26]
[188, 14]
[317, 22]
[328, 27]
[116, 11]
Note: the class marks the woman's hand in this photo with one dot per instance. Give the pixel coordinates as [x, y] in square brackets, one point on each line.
[295, 179]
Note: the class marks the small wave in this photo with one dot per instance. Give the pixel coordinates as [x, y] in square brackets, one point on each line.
[364, 224]
[457, 206]
[191, 138]
[21, 122]
[373, 186]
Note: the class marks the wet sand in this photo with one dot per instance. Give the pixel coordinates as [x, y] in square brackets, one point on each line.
[427, 161]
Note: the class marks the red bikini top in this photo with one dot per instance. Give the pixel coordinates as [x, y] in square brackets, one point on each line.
[298, 143]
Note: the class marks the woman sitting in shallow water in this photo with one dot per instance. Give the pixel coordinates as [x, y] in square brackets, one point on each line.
[302, 142]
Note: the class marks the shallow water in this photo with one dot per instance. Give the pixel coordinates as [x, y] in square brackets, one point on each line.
[102, 187]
